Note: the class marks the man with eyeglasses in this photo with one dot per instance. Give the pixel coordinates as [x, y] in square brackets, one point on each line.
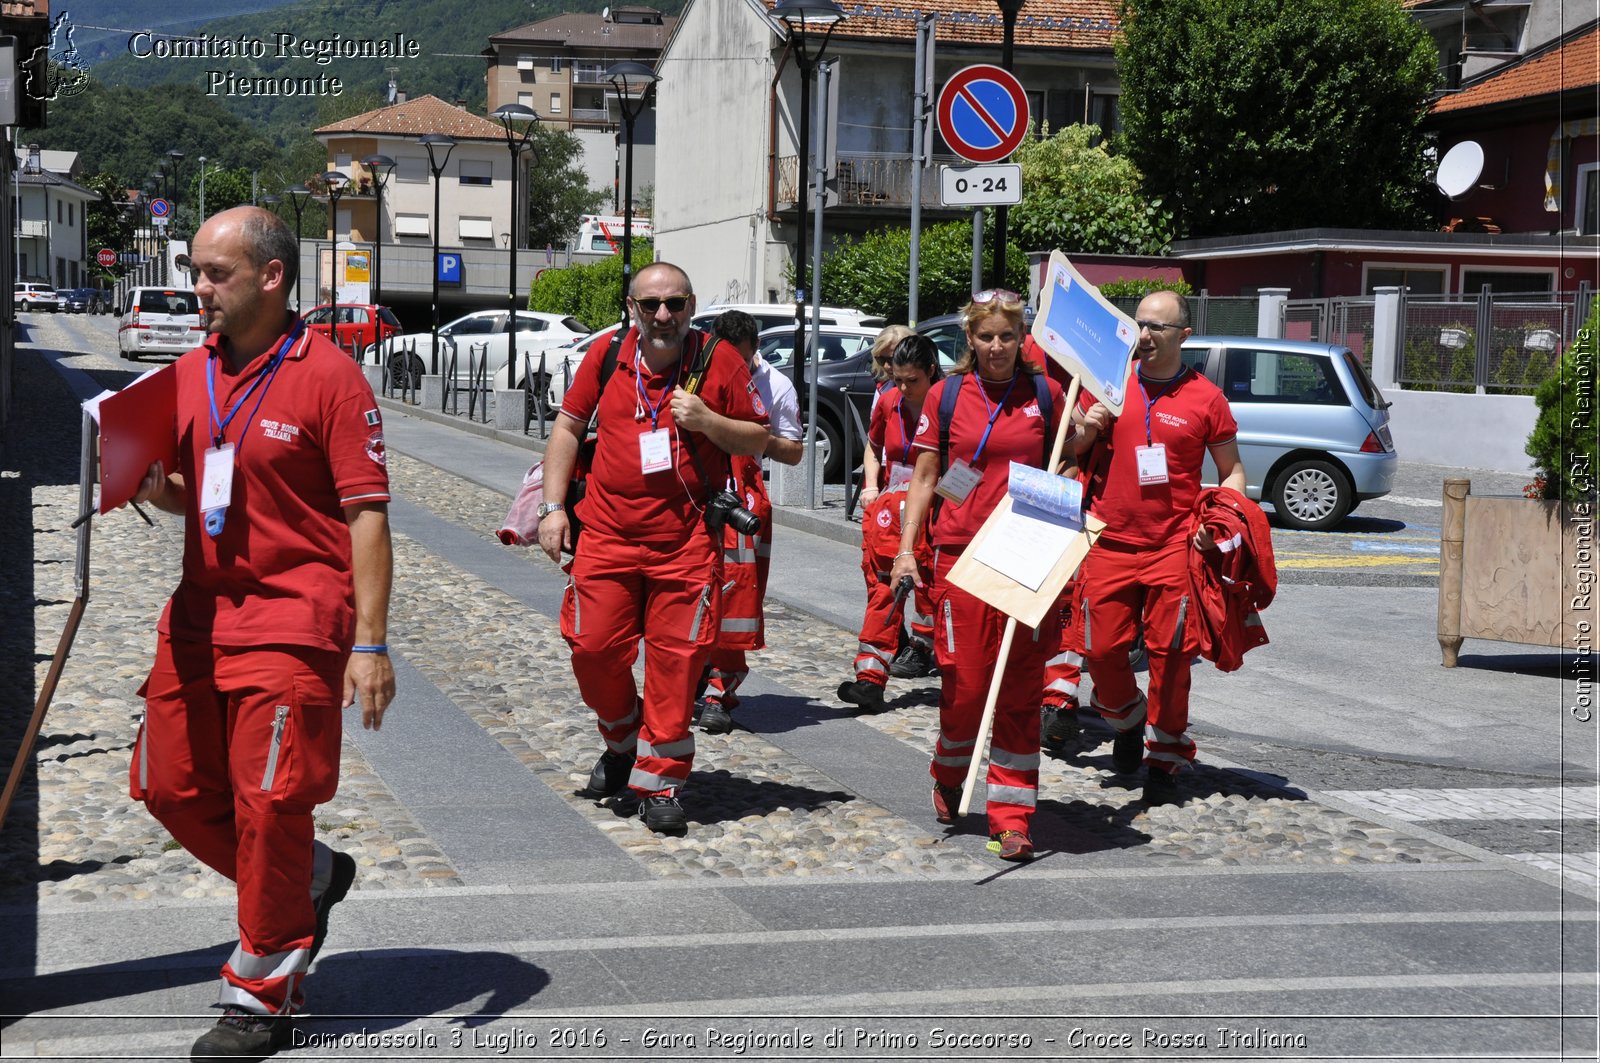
[1143, 480]
[667, 420]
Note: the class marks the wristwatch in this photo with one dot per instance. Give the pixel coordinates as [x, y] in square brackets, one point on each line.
[547, 508]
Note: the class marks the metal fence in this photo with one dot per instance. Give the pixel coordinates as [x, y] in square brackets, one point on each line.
[1211, 315]
[1348, 322]
[1496, 344]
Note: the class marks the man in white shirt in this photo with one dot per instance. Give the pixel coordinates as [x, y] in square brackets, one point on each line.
[746, 558]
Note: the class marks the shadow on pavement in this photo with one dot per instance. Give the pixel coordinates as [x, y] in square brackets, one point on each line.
[1545, 665]
[404, 985]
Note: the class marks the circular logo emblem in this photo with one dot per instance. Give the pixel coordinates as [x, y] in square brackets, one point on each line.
[922, 424]
[885, 518]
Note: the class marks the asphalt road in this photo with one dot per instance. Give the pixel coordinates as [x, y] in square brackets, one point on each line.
[1388, 545]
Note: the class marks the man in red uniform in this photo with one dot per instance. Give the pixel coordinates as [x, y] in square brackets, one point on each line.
[286, 570]
[747, 559]
[661, 451]
[1144, 477]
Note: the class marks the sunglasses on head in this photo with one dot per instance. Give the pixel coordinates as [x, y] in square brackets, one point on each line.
[989, 295]
[674, 304]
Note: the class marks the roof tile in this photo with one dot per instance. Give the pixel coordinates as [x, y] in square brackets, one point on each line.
[1066, 24]
[414, 117]
[1565, 68]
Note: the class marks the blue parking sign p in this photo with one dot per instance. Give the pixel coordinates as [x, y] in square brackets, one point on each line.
[448, 268]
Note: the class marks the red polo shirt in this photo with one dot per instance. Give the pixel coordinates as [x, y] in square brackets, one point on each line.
[308, 441]
[622, 500]
[889, 434]
[1019, 435]
[1188, 416]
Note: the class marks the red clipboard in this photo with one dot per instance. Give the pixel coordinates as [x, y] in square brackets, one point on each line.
[138, 425]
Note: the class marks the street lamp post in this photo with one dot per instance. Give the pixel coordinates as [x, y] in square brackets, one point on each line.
[203, 188]
[177, 158]
[333, 184]
[1009, 9]
[381, 166]
[801, 17]
[634, 83]
[515, 142]
[435, 142]
[297, 195]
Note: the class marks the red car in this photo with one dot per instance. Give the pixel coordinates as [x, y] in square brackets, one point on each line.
[354, 326]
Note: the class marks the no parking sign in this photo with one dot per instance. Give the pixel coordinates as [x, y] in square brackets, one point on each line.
[983, 113]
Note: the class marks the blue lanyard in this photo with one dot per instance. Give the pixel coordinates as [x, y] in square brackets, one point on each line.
[219, 424]
[1149, 402]
[215, 518]
[644, 396]
[994, 412]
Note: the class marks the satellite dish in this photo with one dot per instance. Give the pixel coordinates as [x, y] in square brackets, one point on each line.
[605, 14]
[1460, 169]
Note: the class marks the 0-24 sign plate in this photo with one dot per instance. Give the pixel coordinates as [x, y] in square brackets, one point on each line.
[995, 185]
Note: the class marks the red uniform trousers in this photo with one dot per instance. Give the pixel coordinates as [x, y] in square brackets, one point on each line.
[746, 560]
[1064, 671]
[966, 639]
[1121, 584]
[881, 626]
[669, 594]
[237, 748]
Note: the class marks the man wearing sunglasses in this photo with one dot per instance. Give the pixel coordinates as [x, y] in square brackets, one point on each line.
[667, 420]
[1144, 477]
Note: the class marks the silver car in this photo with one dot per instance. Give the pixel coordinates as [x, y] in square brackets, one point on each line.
[1313, 427]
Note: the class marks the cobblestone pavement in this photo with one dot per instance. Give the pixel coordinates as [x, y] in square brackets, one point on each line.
[507, 669]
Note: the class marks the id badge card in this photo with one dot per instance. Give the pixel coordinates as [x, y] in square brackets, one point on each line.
[655, 451]
[1152, 462]
[957, 482]
[899, 476]
[216, 479]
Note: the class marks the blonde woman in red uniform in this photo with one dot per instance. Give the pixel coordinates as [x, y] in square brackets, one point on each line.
[1003, 410]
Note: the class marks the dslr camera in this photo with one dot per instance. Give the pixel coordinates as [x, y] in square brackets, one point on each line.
[724, 508]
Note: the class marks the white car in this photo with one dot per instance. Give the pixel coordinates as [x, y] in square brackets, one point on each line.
[411, 354]
[159, 321]
[26, 295]
[561, 363]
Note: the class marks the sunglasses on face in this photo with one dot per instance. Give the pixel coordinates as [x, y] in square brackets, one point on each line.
[989, 295]
[674, 304]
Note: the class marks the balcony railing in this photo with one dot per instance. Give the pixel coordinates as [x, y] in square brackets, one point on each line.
[34, 227]
[590, 114]
[588, 75]
[869, 179]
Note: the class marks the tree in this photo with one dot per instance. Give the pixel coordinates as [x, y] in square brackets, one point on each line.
[592, 292]
[559, 191]
[106, 223]
[1263, 115]
[1078, 197]
[871, 273]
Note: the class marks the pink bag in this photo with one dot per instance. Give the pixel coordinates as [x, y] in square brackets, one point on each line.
[521, 527]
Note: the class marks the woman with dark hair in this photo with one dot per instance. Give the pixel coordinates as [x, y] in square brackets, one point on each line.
[994, 409]
[913, 367]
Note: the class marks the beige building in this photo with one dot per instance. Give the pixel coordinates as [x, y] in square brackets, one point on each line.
[557, 66]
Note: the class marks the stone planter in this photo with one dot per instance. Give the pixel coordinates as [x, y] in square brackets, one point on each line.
[1515, 570]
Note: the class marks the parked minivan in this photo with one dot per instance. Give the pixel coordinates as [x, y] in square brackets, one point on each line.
[1313, 427]
[159, 321]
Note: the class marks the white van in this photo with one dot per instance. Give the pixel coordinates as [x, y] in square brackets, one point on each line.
[159, 321]
[601, 234]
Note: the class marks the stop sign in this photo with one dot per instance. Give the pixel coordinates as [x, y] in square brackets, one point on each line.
[106, 257]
